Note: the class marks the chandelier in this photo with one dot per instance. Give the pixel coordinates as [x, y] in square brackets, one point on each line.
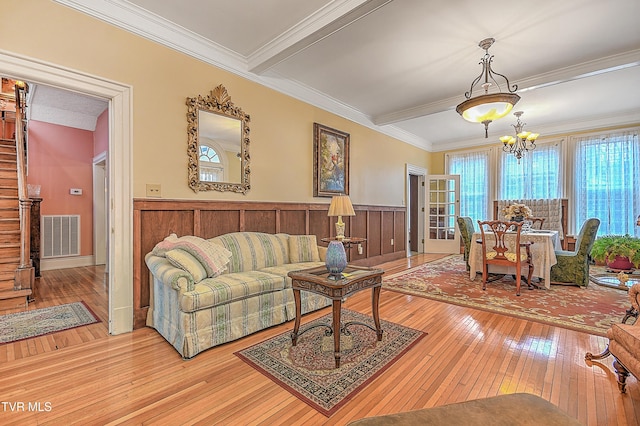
[523, 142]
[489, 106]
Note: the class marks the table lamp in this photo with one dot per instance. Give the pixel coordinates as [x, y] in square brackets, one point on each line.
[340, 206]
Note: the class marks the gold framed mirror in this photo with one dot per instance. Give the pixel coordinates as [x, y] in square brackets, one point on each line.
[217, 143]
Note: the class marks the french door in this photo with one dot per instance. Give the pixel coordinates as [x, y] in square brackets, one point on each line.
[443, 206]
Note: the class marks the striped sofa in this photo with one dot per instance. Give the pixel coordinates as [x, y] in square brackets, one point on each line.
[195, 306]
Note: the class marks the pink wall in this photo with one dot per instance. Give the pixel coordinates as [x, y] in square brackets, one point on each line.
[61, 158]
[101, 134]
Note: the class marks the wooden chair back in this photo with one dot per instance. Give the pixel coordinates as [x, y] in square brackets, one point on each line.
[539, 221]
[497, 251]
[493, 241]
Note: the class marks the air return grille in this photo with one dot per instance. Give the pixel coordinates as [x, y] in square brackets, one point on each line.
[60, 236]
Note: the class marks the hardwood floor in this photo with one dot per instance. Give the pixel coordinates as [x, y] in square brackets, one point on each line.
[84, 376]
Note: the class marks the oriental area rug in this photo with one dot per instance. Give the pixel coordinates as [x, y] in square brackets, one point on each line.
[592, 310]
[38, 322]
[308, 371]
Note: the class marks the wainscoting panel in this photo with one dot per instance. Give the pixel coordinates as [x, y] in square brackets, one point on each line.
[293, 222]
[260, 221]
[374, 226]
[219, 222]
[155, 219]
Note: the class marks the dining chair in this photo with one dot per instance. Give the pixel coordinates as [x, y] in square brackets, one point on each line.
[465, 224]
[496, 250]
[572, 267]
[535, 221]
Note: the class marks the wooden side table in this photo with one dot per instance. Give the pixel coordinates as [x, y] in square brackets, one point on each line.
[317, 280]
[347, 242]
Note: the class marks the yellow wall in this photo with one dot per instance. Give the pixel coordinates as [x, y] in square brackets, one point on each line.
[162, 79]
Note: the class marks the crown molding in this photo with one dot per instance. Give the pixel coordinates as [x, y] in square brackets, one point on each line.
[325, 21]
[138, 21]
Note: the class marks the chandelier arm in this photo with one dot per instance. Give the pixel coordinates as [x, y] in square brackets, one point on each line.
[509, 85]
[473, 83]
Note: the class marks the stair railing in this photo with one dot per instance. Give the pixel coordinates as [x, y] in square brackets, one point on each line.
[25, 272]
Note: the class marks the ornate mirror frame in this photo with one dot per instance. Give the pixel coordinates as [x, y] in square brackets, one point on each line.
[217, 102]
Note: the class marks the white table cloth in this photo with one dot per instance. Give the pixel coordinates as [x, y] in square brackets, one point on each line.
[542, 253]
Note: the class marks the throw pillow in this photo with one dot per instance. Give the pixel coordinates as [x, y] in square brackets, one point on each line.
[214, 258]
[182, 259]
[303, 248]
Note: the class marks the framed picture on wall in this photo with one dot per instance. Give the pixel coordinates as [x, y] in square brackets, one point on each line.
[330, 161]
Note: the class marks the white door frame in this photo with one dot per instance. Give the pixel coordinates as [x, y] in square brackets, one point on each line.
[120, 168]
[100, 201]
[421, 172]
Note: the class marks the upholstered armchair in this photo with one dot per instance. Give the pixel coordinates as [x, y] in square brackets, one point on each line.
[465, 224]
[624, 343]
[573, 266]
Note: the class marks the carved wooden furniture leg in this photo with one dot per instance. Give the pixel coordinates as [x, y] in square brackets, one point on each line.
[375, 302]
[337, 308]
[622, 375]
[296, 327]
[630, 313]
[590, 357]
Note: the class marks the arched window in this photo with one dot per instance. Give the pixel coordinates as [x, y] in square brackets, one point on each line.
[212, 163]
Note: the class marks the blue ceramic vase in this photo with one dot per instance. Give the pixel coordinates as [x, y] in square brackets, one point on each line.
[336, 259]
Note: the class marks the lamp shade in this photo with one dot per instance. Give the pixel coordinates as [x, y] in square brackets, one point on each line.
[341, 206]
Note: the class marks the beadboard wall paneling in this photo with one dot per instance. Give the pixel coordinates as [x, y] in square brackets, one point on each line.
[154, 219]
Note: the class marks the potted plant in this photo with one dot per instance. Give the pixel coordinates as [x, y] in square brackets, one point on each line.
[620, 252]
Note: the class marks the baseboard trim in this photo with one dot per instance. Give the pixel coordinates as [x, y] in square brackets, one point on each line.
[66, 262]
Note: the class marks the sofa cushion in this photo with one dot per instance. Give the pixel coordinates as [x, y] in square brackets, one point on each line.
[182, 259]
[227, 288]
[251, 251]
[213, 257]
[283, 270]
[303, 248]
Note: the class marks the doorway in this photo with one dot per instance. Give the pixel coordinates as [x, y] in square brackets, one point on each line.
[415, 196]
[444, 207]
[120, 153]
[100, 200]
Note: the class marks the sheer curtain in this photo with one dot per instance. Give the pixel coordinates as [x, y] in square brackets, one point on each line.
[607, 181]
[473, 168]
[536, 175]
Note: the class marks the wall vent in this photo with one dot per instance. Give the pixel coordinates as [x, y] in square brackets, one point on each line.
[60, 236]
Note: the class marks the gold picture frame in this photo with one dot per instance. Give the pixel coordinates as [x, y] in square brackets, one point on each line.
[330, 161]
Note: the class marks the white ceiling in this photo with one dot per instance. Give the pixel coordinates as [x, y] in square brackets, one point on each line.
[401, 66]
[65, 108]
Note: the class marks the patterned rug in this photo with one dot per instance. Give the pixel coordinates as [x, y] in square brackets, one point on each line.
[308, 371]
[591, 310]
[38, 322]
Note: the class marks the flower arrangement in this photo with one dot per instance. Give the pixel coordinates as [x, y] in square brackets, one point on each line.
[516, 210]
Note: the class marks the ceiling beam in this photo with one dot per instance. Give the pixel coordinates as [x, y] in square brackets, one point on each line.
[321, 24]
[562, 75]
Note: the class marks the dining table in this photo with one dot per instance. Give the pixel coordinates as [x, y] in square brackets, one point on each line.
[545, 244]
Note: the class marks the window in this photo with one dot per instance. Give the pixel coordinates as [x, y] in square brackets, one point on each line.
[607, 181]
[535, 176]
[211, 166]
[473, 168]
